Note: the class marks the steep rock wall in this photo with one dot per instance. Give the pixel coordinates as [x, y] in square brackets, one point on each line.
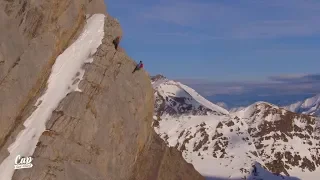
[103, 132]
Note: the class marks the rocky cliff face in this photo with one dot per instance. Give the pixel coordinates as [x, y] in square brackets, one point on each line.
[103, 132]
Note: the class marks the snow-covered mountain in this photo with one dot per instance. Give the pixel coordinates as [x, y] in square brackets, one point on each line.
[309, 106]
[174, 98]
[250, 143]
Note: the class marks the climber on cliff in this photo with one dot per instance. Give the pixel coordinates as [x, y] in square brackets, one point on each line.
[138, 67]
[116, 42]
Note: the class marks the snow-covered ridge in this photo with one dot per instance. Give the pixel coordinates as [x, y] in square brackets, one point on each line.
[309, 106]
[201, 99]
[249, 111]
[174, 98]
[64, 78]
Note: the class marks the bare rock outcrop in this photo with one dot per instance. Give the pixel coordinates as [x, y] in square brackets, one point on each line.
[101, 133]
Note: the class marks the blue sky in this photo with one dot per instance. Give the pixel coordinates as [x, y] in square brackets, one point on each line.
[236, 48]
[221, 40]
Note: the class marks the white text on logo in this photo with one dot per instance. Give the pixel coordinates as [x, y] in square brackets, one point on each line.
[22, 162]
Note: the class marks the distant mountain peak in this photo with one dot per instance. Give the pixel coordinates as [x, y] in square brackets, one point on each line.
[174, 98]
[157, 77]
[309, 106]
[263, 104]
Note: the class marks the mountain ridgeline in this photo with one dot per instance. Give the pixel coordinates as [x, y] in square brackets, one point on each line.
[174, 99]
[100, 130]
[309, 106]
[261, 141]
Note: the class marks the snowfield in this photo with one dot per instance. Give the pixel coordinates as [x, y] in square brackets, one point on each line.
[64, 78]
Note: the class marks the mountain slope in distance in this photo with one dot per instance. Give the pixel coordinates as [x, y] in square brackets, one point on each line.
[280, 143]
[309, 106]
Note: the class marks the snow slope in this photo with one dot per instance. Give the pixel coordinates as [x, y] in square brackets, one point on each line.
[309, 106]
[261, 136]
[64, 78]
[202, 141]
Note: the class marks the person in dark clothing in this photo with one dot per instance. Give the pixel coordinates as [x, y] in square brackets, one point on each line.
[138, 67]
[116, 42]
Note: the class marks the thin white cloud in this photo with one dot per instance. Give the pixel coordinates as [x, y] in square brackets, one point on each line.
[195, 36]
[281, 28]
[185, 13]
[246, 19]
[283, 84]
